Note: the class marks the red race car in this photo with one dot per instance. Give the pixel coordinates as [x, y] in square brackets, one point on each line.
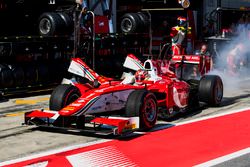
[90, 100]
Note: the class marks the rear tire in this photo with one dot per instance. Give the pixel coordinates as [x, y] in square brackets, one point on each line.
[143, 104]
[211, 90]
[62, 96]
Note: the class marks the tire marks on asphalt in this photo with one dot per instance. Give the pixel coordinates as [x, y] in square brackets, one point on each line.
[15, 131]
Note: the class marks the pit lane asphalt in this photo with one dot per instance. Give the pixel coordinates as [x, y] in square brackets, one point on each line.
[242, 161]
[17, 141]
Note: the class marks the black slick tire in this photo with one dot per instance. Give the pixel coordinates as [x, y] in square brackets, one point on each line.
[62, 96]
[144, 20]
[130, 23]
[50, 24]
[211, 90]
[143, 104]
[68, 22]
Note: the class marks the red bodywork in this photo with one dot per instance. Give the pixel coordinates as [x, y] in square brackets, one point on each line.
[109, 96]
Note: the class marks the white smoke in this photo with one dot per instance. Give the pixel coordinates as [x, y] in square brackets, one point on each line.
[232, 63]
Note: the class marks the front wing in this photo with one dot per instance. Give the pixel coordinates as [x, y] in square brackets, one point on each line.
[83, 123]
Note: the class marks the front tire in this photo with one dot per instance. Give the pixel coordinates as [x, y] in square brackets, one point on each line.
[143, 104]
[62, 96]
[211, 90]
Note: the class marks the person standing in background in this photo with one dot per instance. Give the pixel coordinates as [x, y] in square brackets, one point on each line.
[178, 34]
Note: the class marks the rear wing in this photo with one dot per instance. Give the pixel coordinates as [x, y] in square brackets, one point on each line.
[203, 62]
[189, 59]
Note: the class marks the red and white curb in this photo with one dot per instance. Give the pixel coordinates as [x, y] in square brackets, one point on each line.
[106, 156]
[55, 151]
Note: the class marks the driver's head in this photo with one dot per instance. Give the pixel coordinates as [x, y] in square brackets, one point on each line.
[181, 21]
[140, 76]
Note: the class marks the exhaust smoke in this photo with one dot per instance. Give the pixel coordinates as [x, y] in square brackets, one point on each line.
[232, 63]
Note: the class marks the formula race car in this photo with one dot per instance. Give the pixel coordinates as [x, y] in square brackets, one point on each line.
[93, 102]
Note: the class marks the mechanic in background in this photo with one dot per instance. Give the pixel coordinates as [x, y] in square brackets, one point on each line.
[204, 50]
[235, 58]
[207, 59]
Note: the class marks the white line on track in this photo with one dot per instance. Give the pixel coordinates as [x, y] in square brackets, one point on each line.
[106, 140]
[213, 116]
[224, 158]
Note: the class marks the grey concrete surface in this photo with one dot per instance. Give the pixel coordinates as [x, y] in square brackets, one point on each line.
[242, 161]
[14, 105]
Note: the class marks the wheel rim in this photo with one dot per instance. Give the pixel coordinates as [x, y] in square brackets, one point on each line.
[45, 26]
[126, 25]
[150, 110]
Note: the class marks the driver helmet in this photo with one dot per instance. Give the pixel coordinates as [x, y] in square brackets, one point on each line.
[140, 76]
[182, 21]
